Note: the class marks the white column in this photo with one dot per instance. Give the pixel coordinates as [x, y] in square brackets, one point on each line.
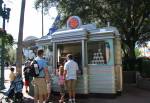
[84, 66]
[54, 55]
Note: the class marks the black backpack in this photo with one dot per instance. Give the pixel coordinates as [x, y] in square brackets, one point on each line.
[34, 69]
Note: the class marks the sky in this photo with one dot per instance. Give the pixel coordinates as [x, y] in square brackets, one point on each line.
[32, 19]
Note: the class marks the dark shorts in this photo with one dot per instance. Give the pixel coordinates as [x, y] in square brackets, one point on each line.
[26, 83]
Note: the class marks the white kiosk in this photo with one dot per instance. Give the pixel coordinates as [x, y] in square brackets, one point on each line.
[96, 50]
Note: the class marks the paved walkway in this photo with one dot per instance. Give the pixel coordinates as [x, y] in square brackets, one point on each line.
[130, 94]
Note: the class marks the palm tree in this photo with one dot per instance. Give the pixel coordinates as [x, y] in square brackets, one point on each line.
[20, 38]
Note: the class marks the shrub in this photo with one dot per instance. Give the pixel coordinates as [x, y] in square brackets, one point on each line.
[143, 66]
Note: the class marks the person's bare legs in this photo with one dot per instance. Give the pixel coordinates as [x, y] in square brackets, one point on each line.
[49, 91]
[36, 96]
[26, 88]
[45, 97]
[41, 99]
[73, 94]
[35, 99]
[70, 94]
[69, 89]
[73, 85]
[61, 99]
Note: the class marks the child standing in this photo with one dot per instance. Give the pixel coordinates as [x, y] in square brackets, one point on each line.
[61, 83]
[12, 75]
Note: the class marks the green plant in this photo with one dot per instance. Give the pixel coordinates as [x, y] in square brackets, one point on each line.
[146, 68]
[137, 52]
[143, 66]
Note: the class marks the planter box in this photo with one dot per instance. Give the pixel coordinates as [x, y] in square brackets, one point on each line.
[129, 77]
[143, 83]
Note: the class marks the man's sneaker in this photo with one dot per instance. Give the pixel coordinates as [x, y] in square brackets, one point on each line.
[48, 101]
[70, 101]
[73, 101]
[61, 101]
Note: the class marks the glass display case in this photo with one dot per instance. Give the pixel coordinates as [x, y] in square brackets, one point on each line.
[98, 52]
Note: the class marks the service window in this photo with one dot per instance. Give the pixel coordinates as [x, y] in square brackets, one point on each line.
[70, 48]
[98, 52]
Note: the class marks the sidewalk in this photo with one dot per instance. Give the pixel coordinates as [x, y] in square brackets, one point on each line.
[27, 98]
[130, 94]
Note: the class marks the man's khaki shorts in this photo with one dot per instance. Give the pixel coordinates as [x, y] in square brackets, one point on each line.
[40, 86]
[71, 84]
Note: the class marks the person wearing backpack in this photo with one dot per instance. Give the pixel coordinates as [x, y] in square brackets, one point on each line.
[40, 81]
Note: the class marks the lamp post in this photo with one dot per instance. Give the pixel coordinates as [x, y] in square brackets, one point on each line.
[5, 15]
[2, 33]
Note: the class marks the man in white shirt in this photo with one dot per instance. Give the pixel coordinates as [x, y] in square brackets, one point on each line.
[70, 75]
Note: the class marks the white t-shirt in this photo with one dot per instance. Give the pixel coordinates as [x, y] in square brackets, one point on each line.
[71, 67]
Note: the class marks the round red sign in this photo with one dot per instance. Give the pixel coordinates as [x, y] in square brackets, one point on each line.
[73, 22]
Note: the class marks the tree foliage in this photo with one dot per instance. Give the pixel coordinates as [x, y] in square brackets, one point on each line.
[8, 43]
[11, 56]
[131, 17]
[7, 38]
[138, 52]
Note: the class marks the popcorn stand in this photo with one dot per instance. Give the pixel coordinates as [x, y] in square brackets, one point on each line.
[96, 50]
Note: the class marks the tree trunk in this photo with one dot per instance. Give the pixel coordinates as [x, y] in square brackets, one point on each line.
[132, 57]
[20, 38]
[132, 50]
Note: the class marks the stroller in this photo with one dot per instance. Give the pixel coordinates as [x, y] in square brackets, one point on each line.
[15, 91]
